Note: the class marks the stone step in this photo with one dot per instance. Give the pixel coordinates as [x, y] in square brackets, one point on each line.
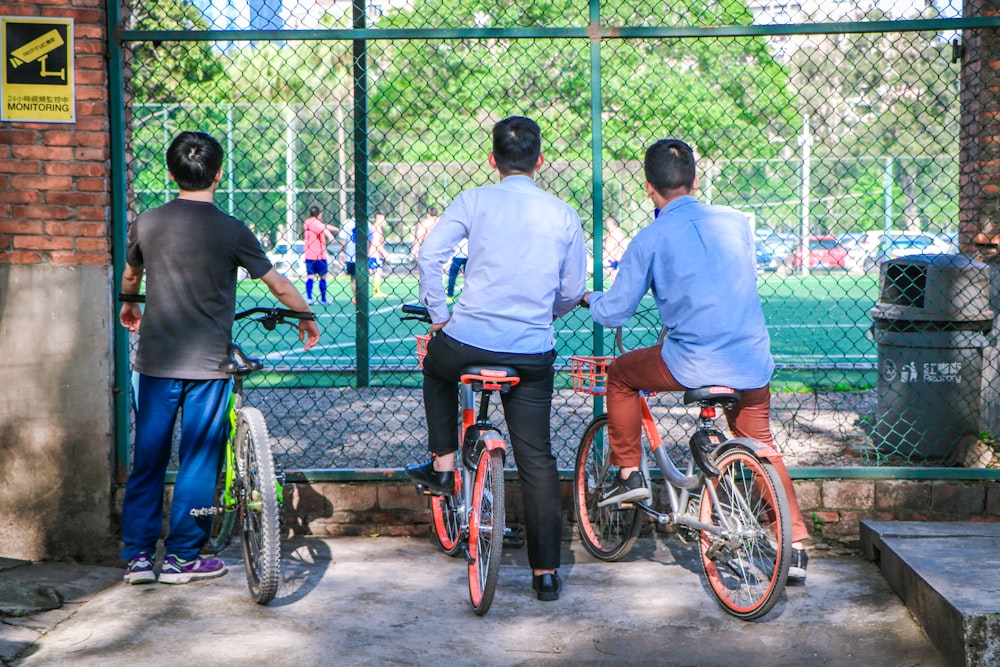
[946, 574]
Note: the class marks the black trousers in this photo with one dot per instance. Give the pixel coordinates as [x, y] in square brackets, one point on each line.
[527, 409]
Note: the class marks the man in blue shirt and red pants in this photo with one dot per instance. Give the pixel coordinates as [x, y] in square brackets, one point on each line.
[699, 262]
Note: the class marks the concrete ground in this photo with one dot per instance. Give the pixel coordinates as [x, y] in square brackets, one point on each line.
[399, 601]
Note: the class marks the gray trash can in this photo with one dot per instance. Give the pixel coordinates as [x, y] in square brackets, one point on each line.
[931, 324]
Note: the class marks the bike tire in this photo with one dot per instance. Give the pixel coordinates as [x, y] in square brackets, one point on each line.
[487, 519]
[260, 525]
[607, 533]
[446, 524]
[747, 572]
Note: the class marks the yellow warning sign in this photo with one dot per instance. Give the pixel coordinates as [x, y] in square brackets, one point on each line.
[37, 83]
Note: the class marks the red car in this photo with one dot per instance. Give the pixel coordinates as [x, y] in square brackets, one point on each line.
[824, 252]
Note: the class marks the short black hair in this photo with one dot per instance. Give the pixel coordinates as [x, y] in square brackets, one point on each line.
[194, 158]
[517, 142]
[669, 165]
[314, 210]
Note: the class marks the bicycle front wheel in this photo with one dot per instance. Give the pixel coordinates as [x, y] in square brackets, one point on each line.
[747, 561]
[487, 519]
[609, 532]
[445, 524]
[260, 523]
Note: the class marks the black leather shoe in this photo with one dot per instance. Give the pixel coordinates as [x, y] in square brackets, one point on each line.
[437, 482]
[547, 586]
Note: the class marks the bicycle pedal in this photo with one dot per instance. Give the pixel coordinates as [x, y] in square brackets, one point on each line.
[513, 536]
[468, 556]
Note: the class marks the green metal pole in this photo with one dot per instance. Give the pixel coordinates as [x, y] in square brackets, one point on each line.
[596, 157]
[362, 323]
[116, 101]
[597, 173]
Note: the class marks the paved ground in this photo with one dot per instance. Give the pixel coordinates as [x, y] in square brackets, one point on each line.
[398, 601]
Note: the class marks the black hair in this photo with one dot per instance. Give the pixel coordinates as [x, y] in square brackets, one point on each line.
[314, 210]
[517, 142]
[194, 158]
[669, 165]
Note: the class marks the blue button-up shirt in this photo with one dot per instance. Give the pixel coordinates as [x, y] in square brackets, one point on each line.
[526, 265]
[699, 262]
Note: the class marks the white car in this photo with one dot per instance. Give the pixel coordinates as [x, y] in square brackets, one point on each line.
[289, 260]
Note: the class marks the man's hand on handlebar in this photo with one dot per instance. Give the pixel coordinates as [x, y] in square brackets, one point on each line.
[437, 327]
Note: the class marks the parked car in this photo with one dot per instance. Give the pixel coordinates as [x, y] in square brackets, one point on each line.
[779, 246]
[398, 257]
[893, 244]
[766, 261]
[824, 252]
[289, 260]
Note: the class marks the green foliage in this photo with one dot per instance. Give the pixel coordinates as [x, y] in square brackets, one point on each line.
[176, 71]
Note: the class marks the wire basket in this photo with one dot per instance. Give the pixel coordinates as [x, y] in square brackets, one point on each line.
[422, 340]
[590, 374]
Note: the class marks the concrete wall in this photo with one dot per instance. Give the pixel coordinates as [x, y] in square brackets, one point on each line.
[56, 439]
[55, 412]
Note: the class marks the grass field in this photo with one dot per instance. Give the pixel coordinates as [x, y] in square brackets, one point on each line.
[818, 326]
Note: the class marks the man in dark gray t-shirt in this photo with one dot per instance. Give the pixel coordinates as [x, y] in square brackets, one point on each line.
[190, 252]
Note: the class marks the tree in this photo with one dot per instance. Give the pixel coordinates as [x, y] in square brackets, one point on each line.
[176, 71]
[881, 104]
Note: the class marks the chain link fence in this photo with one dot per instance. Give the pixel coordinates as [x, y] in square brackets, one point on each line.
[841, 145]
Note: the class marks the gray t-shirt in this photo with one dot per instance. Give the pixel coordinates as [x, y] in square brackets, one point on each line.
[191, 252]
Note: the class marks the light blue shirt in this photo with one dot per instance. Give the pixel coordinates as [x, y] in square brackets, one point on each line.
[699, 262]
[526, 265]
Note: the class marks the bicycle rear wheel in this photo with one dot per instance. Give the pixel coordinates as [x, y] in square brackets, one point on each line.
[445, 524]
[609, 532]
[260, 523]
[747, 564]
[487, 519]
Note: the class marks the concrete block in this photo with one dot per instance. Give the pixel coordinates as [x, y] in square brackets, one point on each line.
[945, 573]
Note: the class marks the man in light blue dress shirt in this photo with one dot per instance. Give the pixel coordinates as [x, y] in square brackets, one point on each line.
[526, 267]
[699, 263]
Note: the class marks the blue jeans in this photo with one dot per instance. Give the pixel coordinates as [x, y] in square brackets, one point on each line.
[204, 424]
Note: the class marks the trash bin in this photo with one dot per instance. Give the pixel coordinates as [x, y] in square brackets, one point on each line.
[931, 325]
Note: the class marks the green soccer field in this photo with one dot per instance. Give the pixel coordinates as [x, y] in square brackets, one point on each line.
[818, 326]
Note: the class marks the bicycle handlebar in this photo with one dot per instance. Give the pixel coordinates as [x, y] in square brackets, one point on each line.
[271, 316]
[619, 342]
[417, 312]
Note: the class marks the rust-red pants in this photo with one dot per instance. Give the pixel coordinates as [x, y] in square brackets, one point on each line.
[644, 369]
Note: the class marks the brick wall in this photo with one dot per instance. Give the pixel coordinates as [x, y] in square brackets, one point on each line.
[832, 507]
[979, 169]
[54, 177]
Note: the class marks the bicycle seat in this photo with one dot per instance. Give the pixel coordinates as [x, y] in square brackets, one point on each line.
[490, 377]
[238, 362]
[725, 397]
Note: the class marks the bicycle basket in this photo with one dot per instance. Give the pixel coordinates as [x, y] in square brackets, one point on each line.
[590, 374]
[422, 340]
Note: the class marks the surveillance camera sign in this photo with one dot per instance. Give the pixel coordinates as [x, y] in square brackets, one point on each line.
[37, 83]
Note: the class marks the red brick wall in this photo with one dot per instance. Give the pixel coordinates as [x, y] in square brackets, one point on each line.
[979, 175]
[54, 177]
[833, 508]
